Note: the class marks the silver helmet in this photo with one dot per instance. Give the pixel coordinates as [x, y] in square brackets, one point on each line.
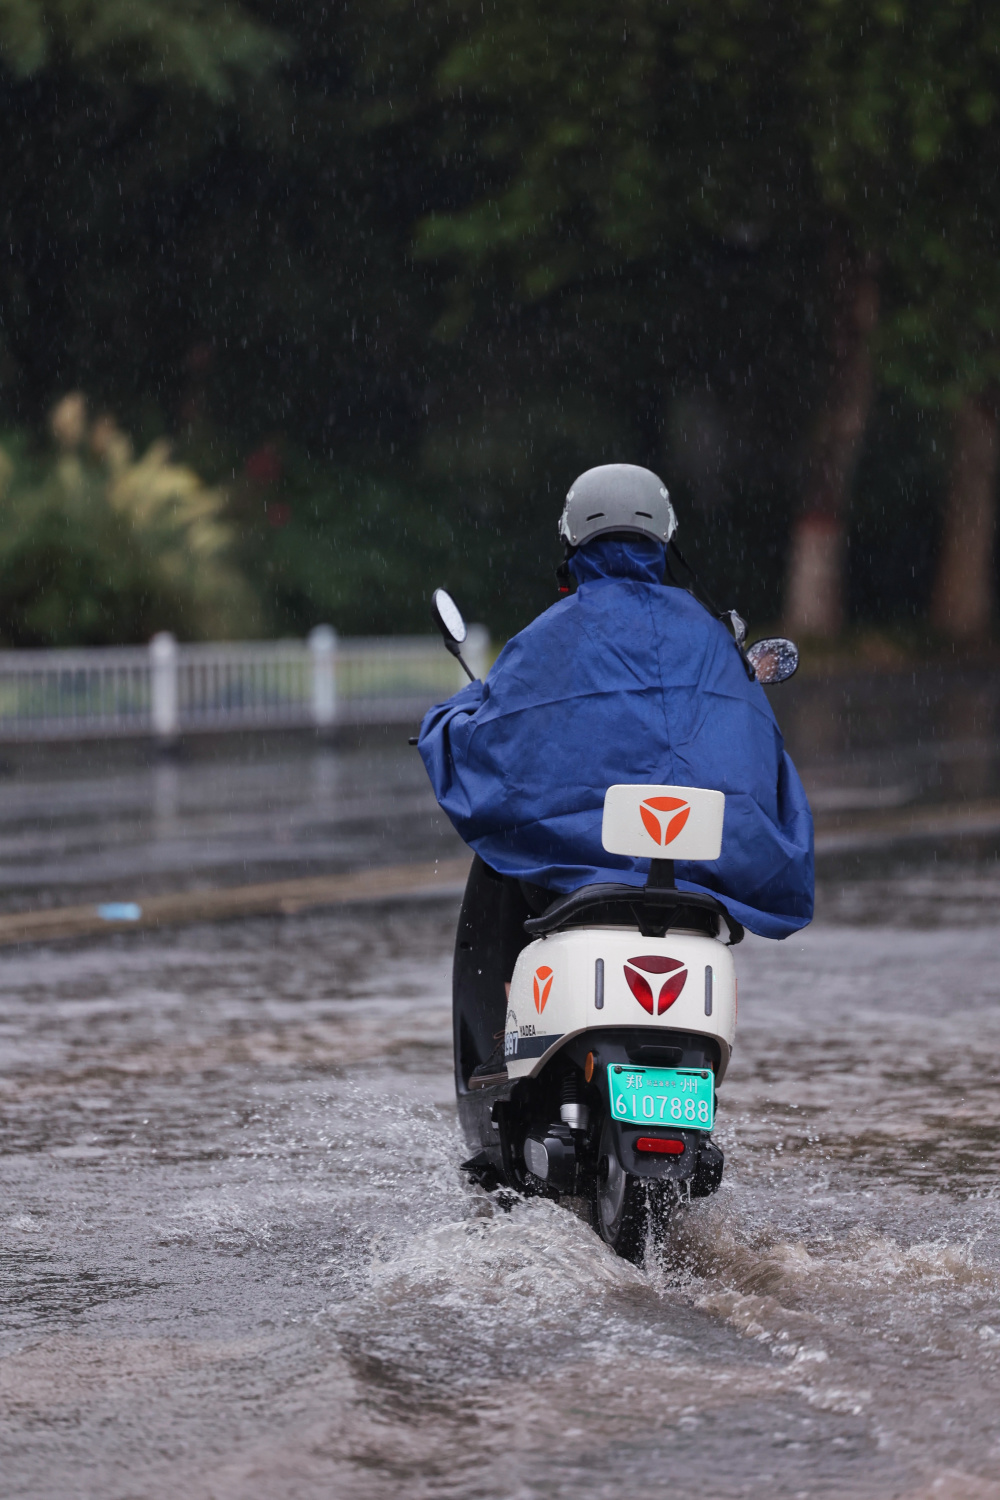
[617, 497]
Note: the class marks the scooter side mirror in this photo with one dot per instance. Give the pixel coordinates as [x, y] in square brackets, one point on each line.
[774, 659]
[448, 618]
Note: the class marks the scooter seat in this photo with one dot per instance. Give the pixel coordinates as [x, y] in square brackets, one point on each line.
[653, 910]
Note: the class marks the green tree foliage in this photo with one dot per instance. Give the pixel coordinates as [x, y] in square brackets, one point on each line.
[191, 44]
[443, 257]
[611, 141]
[112, 112]
[650, 124]
[903, 125]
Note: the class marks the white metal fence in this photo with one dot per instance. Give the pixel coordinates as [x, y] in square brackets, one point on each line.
[168, 689]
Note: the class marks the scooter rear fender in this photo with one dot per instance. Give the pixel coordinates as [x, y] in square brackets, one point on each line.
[607, 977]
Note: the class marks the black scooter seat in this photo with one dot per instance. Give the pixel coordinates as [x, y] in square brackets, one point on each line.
[653, 909]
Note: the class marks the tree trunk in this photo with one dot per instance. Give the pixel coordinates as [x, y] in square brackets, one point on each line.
[963, 598]
[814, 603]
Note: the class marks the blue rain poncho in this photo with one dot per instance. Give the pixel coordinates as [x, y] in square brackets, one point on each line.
[625, 681]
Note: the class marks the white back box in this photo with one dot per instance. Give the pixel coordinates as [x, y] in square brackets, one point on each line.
[663, 822]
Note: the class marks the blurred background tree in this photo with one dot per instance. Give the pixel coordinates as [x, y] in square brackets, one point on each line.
[903, 123]
[390, 277]
[99, 546]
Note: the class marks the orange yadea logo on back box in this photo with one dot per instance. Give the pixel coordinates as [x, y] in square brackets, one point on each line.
[542, 984]
[664, 817]
[654, 963]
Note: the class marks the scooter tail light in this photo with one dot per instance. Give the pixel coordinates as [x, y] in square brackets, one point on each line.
[661, 1145]
[640, 989]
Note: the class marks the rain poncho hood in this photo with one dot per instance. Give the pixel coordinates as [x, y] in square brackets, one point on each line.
[625, 681]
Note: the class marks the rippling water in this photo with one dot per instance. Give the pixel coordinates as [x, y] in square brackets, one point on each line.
[239, 1260]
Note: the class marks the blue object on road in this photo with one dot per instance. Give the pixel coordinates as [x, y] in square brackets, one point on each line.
[119, 911]
[625, 681]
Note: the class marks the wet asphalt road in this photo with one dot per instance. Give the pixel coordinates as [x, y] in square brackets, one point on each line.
[238, 1259]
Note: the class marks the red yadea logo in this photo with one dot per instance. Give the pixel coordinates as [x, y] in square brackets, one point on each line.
[642, 989]
[542, 984]
[664, 817]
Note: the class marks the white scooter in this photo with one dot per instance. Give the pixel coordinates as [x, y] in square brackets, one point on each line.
[621, 1017]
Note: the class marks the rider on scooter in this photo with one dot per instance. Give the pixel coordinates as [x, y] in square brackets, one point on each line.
[627, 680]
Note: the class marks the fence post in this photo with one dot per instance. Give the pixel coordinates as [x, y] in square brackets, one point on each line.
[477, 650]
[323, 650]
[163, 687]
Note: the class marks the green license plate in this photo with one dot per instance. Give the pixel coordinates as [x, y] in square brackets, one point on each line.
[662, 1096]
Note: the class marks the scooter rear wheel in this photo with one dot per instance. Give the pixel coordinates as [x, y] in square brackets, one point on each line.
[623, 1207]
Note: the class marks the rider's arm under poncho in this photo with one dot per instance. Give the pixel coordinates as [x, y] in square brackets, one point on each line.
[625, 681]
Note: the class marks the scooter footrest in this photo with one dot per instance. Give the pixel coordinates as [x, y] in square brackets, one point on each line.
[483, 1171]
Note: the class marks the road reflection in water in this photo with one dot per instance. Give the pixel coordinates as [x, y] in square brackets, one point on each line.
[116, 822]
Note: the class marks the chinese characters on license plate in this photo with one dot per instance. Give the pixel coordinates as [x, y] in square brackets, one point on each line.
[662, 1096]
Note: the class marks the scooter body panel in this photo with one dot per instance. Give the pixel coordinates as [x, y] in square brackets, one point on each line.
[604, 977]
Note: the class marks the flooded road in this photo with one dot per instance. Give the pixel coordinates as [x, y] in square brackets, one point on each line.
[119, 822]
[238, 1260]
